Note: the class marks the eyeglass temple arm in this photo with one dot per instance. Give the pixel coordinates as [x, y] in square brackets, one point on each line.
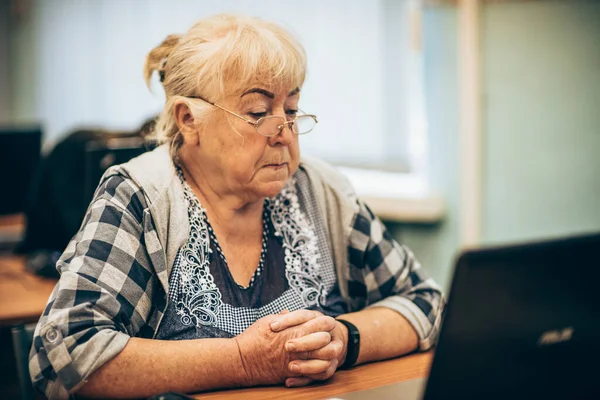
[255, 124]
[224, 109]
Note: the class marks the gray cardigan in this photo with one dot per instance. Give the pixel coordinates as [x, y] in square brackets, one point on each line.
[157, 175]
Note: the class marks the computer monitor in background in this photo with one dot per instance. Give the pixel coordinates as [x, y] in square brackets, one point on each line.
[20, 153]
[102, 154]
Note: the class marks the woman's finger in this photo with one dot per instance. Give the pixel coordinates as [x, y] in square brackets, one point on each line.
[322, 323]
[324, 375]
[333, 350]
[310, 367]
[310, 342]
[298, 382]
[294, 318]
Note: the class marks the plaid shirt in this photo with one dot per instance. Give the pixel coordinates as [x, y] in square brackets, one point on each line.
[109, 290]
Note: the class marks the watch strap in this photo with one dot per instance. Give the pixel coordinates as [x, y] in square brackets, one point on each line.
[353, 344]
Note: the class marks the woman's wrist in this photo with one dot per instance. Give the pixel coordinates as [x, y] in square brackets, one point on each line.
[344, 337]
[244, 377]
[352, 344]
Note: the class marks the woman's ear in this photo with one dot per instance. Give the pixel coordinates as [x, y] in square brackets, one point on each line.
[186, 123]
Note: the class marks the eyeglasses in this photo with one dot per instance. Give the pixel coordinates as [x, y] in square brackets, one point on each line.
[272, 125]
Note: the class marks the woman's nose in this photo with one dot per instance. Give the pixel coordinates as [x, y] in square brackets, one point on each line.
[284, 135]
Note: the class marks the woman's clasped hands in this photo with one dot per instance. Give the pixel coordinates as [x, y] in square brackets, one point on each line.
[295, 348]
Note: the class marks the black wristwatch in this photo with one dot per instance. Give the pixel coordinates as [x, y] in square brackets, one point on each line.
[353, 345]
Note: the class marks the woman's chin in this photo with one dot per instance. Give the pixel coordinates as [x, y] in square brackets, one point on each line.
[272, 188]
[270, 182]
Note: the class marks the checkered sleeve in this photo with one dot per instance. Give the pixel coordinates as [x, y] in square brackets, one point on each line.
[103, 296]
[386, 274]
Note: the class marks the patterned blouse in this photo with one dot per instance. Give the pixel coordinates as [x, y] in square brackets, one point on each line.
[295, 271]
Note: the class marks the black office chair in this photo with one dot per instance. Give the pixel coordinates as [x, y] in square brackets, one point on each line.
[22, 336]
[64, 188]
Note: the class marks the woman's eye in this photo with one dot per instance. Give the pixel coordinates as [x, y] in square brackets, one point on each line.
[291, 112]
[257, 115]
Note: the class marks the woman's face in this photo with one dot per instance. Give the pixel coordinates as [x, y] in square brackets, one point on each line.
[245, 162]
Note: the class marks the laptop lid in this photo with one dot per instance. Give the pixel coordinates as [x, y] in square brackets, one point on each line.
[522, 322]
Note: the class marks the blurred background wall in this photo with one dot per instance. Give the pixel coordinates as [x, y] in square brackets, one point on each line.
[541, 124]
[436, 245]
[541, 69]
[5, 94]
[80, 62]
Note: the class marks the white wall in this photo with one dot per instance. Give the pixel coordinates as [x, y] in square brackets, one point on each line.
[89, 57]
[436, 245]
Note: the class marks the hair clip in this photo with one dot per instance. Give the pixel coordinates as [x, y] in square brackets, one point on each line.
[161, 71]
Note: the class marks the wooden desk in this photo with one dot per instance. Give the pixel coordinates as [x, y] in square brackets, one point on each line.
[23, 296]
[12, 228]
[359, 378]
[13, 221]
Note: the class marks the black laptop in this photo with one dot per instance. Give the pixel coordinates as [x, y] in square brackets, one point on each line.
[522, 322]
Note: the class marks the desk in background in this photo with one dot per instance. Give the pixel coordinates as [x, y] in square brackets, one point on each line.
[23, 295]
[12, 228]
[359, 378]
[12, 222]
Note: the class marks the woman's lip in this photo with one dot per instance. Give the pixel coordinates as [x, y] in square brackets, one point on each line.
[276, 166]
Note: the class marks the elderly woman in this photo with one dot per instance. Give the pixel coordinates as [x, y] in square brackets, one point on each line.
[221, 259]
